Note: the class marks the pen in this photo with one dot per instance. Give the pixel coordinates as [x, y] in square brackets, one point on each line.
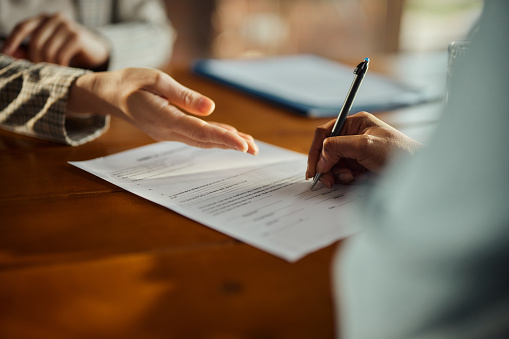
[359, 72]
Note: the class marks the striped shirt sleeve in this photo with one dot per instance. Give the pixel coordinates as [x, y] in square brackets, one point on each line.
[33, 101]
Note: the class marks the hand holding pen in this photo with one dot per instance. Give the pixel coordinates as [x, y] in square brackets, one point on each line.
[364, 146]
[359, 72]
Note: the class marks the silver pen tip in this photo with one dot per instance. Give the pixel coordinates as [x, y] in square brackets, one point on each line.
[315, 180]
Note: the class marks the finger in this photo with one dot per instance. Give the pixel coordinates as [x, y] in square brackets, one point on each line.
[40, 37]
[327, 179]
[366, 150]
[161, 120]
[54, 44]
[228, 127]
[204, 132]
[68, 49]
[191, 101]
[20, 33]
[253, 148]
[321, 133]
[336, 148]
[171, 118]
[357, 123]
[66, 43]
[342, 175]
[246, 136]
[201, 131]
[174, 136]
[195, 143]
[20, 53]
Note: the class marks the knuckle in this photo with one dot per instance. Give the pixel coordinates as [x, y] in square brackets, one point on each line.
[327, 150]
[360, 116]
[320, 131]
[199, 134]
[327, 145]
[157, 78]
[58, 15]
[145, 77]
[187, 97]
[20, 27]
[72, 31]
[371, 117]
[73, 39]
[365, 142]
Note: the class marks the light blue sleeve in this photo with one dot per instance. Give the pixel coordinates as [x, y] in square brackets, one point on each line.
[432, 261]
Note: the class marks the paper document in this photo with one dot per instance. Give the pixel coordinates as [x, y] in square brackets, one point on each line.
[262, 200]
[310, 85]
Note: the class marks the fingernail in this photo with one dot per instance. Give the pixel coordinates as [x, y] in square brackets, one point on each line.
[309, 175]
[256, 149]
[243, 148]
[206, 105]
[325, 182]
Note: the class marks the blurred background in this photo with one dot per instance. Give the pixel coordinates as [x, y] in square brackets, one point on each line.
[337, 29]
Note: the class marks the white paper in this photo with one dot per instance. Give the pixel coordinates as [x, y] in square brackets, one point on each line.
[262, 200]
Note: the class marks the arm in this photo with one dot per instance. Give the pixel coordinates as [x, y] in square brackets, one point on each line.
[71, 106]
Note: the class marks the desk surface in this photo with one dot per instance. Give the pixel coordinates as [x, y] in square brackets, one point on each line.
[81, 258]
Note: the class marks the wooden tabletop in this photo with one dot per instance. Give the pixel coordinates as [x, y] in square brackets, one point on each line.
[82, 258]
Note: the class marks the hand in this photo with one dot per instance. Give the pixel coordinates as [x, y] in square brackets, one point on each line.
[365, 145]
[149, 99]
[57, 39]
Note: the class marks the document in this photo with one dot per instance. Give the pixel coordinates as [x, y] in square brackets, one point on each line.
[311, 85]
[261, 200]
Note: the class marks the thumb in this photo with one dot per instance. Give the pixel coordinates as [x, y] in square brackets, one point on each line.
[183, 97]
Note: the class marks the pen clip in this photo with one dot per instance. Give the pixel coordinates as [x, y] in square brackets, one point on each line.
[356, 70]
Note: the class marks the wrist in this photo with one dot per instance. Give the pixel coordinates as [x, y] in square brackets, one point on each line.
[80, 99]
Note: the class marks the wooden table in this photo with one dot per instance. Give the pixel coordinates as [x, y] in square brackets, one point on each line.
[82, 258]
